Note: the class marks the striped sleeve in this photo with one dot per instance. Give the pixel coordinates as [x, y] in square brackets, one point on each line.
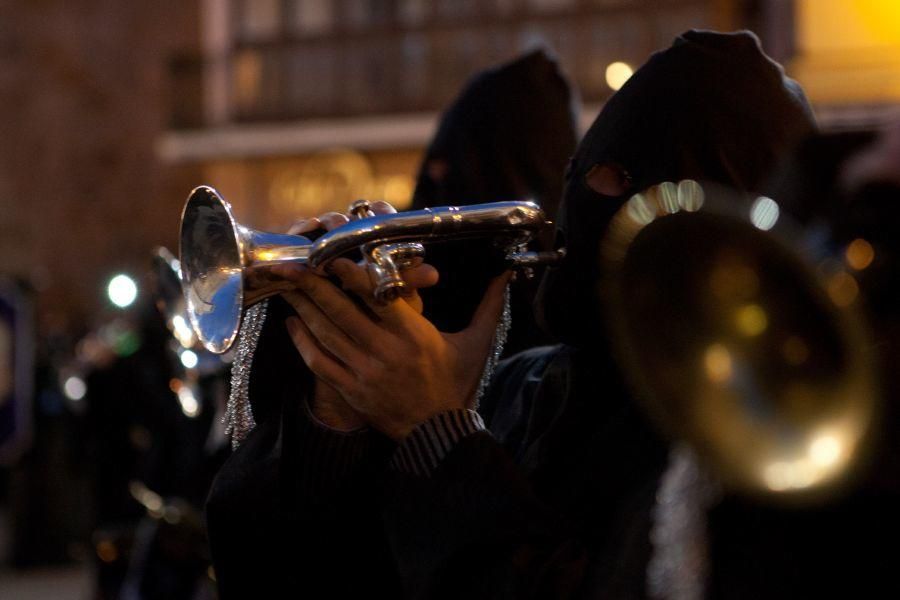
[426, 446]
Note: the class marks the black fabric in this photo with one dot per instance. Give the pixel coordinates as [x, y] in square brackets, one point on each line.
[712, 107]
[845, 547]
[287, 510]
[558, 505]
[508, 136]
[567, 506]
[555, 505]
[289, 514]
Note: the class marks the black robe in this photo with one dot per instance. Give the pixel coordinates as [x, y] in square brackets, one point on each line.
[556, 502]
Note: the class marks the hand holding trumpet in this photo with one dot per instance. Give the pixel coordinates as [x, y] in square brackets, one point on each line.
[384, 364]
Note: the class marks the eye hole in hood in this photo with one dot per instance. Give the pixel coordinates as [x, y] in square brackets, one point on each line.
[608, 179]
[711, 107]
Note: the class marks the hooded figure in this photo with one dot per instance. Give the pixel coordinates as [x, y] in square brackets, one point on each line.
[275, 503]
[712, 107]
[557, 501]
[508, 136]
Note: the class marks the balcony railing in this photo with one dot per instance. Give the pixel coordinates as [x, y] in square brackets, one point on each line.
[363, 57]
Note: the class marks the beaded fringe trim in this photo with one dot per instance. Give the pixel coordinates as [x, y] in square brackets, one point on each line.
[238, 417]
[500, 335]
[679, 563]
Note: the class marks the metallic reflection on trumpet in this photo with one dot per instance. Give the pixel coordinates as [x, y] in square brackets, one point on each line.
[225, 265]
[736, 344]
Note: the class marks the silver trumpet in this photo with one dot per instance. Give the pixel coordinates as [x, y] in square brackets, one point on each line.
[223, 263]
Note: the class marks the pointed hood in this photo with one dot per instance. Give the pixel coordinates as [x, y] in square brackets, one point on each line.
[711, 107]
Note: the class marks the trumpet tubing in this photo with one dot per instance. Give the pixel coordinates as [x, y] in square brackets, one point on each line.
[224, 263]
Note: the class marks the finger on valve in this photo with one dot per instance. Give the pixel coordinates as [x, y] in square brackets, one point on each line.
[380, 207]
[327, 221]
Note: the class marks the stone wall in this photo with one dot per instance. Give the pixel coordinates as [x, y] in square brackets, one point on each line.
[84, 95]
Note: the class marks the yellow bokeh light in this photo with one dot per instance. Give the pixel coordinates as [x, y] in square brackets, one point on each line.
[717, 362]
[790, 475]
[859, 254]
[398, 190]
[751, 320]
[617, 74]
[842, 289]
[825, 450]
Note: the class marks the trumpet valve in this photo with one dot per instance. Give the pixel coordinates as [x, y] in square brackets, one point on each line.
[361, 209]
[387, 262]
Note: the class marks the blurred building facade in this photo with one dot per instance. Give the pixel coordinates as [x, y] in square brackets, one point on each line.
[308, 104]
[84, 95]
[112, 111]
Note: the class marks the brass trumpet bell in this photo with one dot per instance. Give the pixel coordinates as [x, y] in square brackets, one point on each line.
[738, 343]
[223, 263]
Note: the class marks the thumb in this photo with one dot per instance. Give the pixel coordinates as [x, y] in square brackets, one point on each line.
[477, 337]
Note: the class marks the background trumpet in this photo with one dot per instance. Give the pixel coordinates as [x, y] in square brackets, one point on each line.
[733, 334]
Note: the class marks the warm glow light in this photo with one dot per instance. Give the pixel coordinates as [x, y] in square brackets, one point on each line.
[751, 320]
[189, 359]
[617, 74]
[122, 290]
[798, 474]
[859, 254]
[778, 476]
[717, 361]
[182, 331]
[824, 453]
[398, 190]
[764, 213]
[825, 450]
[74, 388]
[188, 401]
[106, 551]
[843, 289]
[265, 255]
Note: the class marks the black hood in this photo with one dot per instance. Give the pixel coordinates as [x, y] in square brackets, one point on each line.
[711, 107]
[508, 136]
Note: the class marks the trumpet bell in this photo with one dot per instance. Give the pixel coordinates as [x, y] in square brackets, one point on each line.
[737, 344]
[212, 276]
[216, 253]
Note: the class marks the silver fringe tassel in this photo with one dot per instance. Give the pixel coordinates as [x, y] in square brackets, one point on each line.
[238, 417]
[500, 335]
[679, 564]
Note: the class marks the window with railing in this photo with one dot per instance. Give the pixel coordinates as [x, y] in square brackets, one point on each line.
[301, 59]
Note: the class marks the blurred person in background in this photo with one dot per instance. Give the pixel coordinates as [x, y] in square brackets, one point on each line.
[507, 137]
[149, 420]
[296, 504]
[48, 480]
